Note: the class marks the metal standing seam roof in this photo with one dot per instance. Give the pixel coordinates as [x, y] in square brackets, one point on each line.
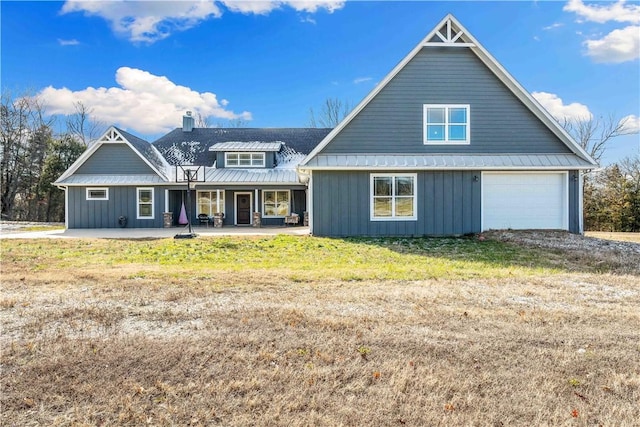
[446, 161]
[247, 146]
[244, 176]
[86, 179]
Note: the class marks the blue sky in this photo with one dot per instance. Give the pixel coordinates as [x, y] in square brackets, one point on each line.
[141, 65]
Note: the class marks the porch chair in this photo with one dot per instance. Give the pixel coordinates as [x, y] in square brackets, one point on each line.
[203, 218]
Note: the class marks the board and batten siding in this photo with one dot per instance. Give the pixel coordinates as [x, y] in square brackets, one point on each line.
[114, 159]
[448, 204]
[392, 122]
[122, 201]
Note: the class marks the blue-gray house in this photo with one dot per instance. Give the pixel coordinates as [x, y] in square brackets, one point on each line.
[447, 143]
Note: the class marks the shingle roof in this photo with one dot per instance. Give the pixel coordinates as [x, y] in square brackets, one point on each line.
[178, 146]
[448, 161]
[147, 150]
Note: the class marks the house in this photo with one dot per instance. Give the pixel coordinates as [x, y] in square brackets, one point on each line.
[248, 175]
[447, 143]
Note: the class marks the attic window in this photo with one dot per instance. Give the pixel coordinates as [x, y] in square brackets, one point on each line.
[446, 124]
[247, 160]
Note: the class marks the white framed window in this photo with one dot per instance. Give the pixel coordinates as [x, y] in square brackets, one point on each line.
[446, 124]
[210, 202]
[144, 205]
[97, 193]
[393, 197]
[245, 160]
[275, 203]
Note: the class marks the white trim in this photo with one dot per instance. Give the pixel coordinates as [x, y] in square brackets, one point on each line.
[66, 207]
[106, 193]
[374, 175]
[493, 65]
[250, 154]
[310, 203]
[235, 206]
[264, 190]
[166, 200]
[153, 202]
[580, 202]
[566, 201]
[446, 124]
[442, 168]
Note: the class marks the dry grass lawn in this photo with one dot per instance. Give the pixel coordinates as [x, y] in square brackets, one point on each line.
[100, 332]
[610, 235]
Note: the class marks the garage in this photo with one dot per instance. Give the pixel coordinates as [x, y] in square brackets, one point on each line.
[524, 200]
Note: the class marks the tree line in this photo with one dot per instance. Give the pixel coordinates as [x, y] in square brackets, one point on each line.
[33, 156]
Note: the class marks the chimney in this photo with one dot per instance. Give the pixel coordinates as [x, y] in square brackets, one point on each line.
[187, 122]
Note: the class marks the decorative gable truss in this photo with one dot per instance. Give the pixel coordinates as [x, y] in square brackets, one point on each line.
[449, 34]
[112, 135]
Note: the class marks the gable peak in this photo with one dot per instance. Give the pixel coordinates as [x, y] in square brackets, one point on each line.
[450, 32]
[112, 135]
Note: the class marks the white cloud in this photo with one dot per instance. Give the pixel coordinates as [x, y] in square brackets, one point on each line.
[263, 7]
[146, 21]
[149, 21]
[617, 46]
[619, 11]
[144, 102]
[308, 20]
[553, 26]
[362, 80]
[72, 42]
[631, 124]
[561, 112]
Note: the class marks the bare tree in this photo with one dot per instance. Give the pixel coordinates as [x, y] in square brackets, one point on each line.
[24, 134]
[202, 121]
[82, 127]
[594, 134]
[332, 112]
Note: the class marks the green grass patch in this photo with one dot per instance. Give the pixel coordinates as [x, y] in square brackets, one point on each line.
[297, 258]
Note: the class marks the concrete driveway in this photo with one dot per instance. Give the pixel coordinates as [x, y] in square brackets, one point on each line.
[149, 233]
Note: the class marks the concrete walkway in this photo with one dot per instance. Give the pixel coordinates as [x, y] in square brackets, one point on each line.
[151, 233]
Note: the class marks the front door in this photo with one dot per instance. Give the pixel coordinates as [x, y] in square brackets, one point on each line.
[243, 208]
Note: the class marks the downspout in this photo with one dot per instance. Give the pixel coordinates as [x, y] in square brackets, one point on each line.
[66, 205]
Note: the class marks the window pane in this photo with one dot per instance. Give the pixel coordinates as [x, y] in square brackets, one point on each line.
[382, 186]
[382, 207]
[145, 210]
[144, 196]
[458, 132]
[404, 206]
[404, 186]
[97, 194]
[283, 196]
[204, 209]
[283, 208]
[256, 162]
[269, 209]
[435, 132]
[457, 115]
[269, 197]
[435, 115]
[232, 160]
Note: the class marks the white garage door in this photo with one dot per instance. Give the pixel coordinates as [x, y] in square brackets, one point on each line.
[524, 200]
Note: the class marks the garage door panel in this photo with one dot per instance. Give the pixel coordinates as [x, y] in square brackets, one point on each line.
[524, 201]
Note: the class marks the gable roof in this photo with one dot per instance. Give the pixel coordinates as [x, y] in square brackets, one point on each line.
[178, 146]
[139, 146]
[450, 33]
